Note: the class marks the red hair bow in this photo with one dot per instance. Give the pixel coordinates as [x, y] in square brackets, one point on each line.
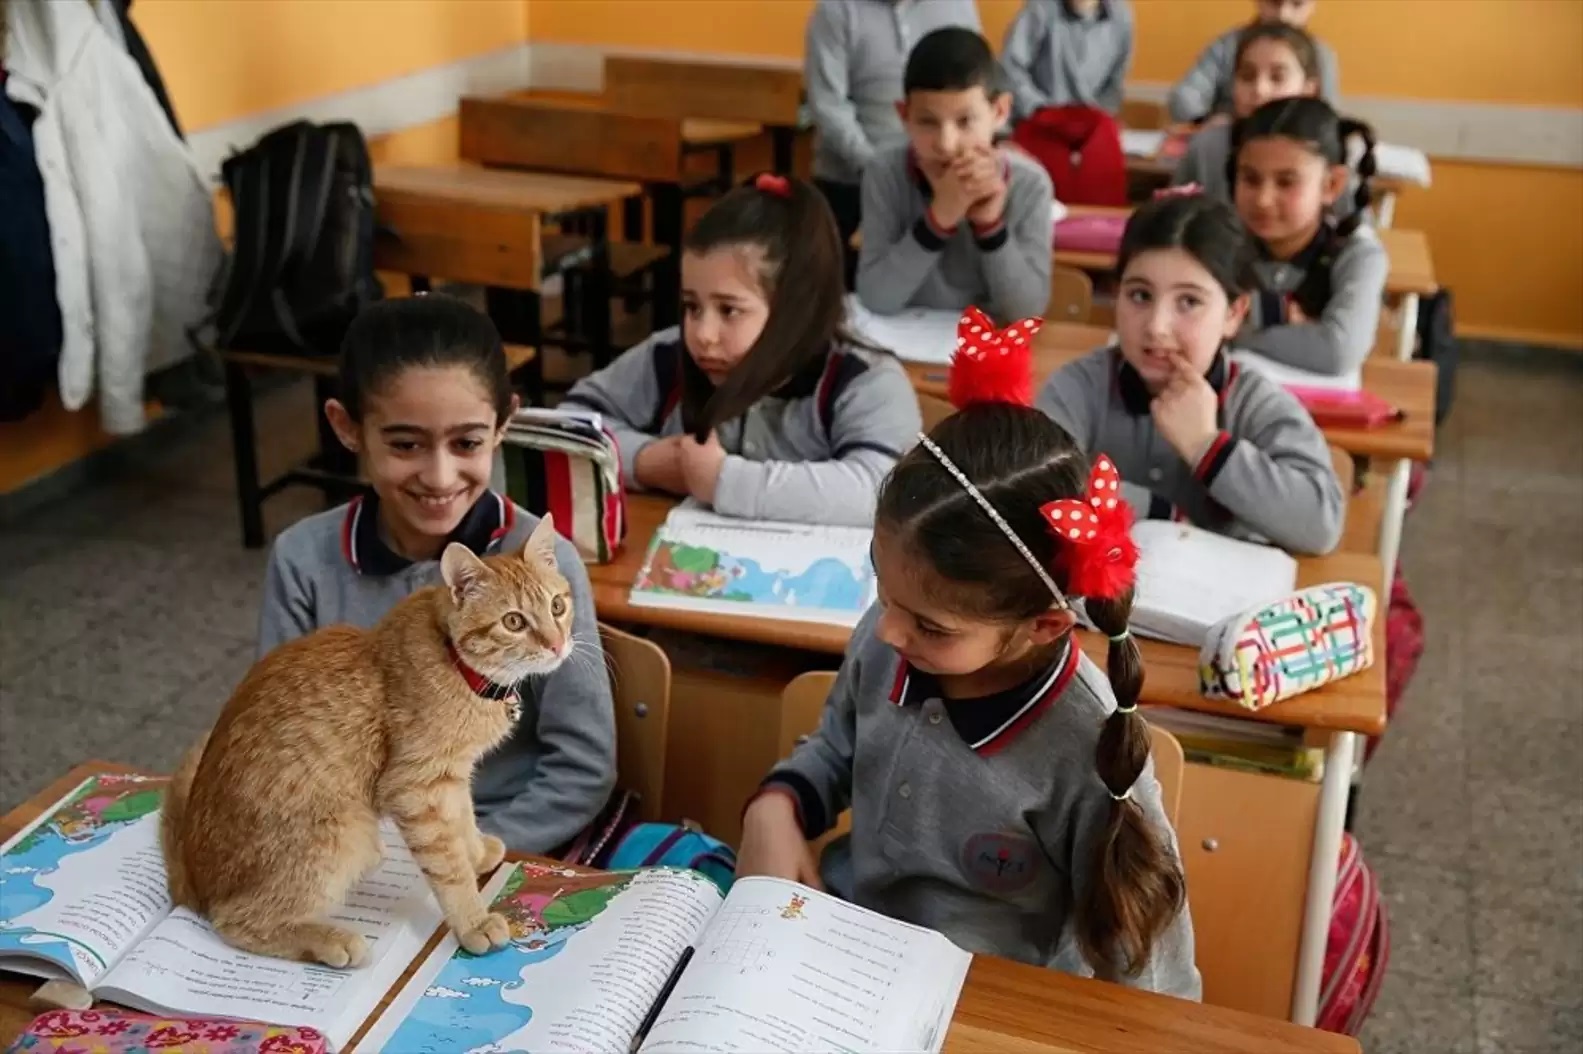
[770, 183]
[1099, 556]
[992, 365]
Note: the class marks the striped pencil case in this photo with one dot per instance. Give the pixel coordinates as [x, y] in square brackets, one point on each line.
[1295, 645]
[565, 463]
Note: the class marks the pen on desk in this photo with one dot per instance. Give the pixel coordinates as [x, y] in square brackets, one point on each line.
[659, 1001]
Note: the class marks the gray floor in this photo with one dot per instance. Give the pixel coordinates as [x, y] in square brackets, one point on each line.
[126, 615]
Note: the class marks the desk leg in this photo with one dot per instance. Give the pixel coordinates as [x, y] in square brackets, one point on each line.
[249, 495]
[1407, 337]
[1322, 875]
[1391, 523]
[1385, 211]
[668, 221]
[597, 290]
[783, 144]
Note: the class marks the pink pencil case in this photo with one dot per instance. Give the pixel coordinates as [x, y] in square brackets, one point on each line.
[1335, 409]
[1090, 234]
[110, 1031]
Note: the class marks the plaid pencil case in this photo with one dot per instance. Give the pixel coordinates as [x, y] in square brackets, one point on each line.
[567, 464]
[110, 1031]
[1294, 645]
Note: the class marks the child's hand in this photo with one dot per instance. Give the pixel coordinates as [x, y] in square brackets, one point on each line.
[701, 466]
[773, 843]
[951, 197]
[1185, 412]
[1294, 314]
[659, 466]
[984, 176]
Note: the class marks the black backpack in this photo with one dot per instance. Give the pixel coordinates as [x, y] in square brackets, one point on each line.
[302, 265]
[1437, 342]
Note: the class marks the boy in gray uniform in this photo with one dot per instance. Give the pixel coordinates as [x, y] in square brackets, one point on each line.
[1068, 53]
[1205, 90]
[949, 220]
[854, 54]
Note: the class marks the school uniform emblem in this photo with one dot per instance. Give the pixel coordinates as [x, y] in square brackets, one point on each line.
[1001, 862]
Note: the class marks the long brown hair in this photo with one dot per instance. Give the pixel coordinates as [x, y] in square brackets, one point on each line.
[1019, 459]
[802, 277]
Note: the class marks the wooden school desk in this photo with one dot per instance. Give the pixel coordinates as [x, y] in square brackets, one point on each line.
[764, 91]
[1005, 1006]
[1261, 946]
[1409, 386]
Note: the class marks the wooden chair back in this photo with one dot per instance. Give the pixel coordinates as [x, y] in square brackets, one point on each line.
[1166, 753]
[456, 223]
[762, 93]
[802, 706]
[934, 410]
[514, 132]
[1071, 295]
[640, 681]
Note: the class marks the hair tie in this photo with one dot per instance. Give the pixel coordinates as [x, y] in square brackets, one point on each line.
[1123, 796]
[992, 365]
[1123, 635]
[770, 183]
[1127, 709]
[994, 514]
[1098, 553]
[1186, 190]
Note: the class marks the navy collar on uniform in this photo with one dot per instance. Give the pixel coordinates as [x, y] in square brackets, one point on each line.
[1072, 16]
[489, 520]
[1309, 254]
[991, 723]
[1135, 395]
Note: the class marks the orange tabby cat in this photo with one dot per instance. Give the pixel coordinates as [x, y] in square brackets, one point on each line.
[271, 820]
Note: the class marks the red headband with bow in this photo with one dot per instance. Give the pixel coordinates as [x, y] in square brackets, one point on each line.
[992, 365]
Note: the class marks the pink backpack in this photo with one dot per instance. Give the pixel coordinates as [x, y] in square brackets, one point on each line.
[1358, 947]
[1404, 646]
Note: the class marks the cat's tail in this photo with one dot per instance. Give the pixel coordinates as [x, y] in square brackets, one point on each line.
[171, 823]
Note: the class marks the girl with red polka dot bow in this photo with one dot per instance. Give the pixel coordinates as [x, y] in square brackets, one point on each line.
[999, 782]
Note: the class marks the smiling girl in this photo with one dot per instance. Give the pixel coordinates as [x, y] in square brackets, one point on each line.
[1194, 436]
[424, 402]
[759, 404]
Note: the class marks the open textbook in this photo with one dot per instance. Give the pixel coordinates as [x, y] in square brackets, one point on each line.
[701, 561]
[1190, 579]
[778, 967]
[83, 897]
[915, 334]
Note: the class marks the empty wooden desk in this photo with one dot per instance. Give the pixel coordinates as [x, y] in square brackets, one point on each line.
[763, 91]
[1005, 1006]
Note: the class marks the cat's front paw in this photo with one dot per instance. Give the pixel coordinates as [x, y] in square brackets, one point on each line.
[338, 947]
[491, 851]
[491, 932]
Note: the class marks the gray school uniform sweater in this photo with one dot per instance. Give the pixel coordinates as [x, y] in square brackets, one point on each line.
[1205, 159]
[908, 261]
[1052, 57]
[1344, 333]
[1206, 88]
[855, 55]
[548, 781]
[977, 818]
[1266, 476]
[814, 452]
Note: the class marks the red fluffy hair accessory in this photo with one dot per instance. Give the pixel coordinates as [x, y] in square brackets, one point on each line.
[992, 365]
[1098, 555]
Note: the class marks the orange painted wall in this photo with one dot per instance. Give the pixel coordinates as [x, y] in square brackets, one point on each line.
[225, 59]
[1518, 52]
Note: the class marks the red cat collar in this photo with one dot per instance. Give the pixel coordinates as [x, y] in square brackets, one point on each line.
[482, 686]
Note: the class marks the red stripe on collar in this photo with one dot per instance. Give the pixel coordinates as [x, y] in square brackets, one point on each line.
[1005, 736]
[481, 686]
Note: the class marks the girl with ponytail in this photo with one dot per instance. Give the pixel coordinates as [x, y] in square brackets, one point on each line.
[999, 783]
[1321, 280]
[759, 404]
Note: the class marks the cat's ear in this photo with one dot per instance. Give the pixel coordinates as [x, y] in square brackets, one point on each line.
[539, 549]
[462, 571]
